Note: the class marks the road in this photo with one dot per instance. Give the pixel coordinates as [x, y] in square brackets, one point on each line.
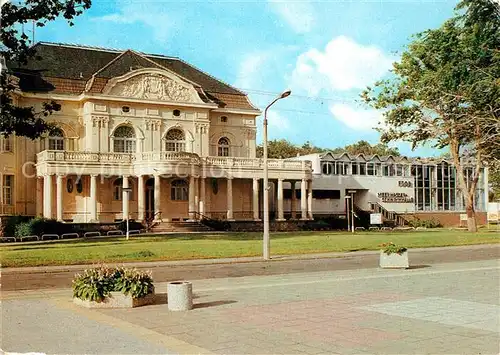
[418, 259]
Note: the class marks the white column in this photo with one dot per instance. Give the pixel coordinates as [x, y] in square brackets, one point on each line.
[140, 198]
[59, 198]
[47, 196]
[202, 196]
[281, 216]
[157, 197]
[230, 199]
[39, 196]
[293, 200]
[309, 199]
[255, 201]
[125, 197]
[192, 192]
[93, 198]
[303, 199]
[196, 196]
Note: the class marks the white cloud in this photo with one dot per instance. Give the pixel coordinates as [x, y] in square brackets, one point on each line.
[343, 65]
[357, 118]
[152, 15]
[277, 122]
[248, 76]
[299, 15]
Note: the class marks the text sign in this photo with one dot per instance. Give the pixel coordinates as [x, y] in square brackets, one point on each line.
[395, 197]
[376, 218]
[463, 216]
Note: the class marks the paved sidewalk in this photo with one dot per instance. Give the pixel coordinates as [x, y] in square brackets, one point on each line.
[451, 308]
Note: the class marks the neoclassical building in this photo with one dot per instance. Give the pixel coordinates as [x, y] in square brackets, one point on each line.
[148, 136]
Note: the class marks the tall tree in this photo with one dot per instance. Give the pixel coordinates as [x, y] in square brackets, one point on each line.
[445, 90]
[17, 49]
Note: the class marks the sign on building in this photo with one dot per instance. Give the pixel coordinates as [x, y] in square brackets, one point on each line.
[375, 218]
[493, 211]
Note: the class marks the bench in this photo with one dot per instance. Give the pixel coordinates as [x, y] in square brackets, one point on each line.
[92, 234]
[29, 237]
[114, 233]
[70, 235]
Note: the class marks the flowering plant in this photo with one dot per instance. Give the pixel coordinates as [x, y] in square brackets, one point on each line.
[95, 284]
[390, 248]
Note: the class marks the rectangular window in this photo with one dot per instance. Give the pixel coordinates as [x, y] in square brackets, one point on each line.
[370, 169]
[8, 187]
[5, 144]
[326, 194]
[355, 169]
[378, 169]
[362, 169]
[399, 170]
[385, 170]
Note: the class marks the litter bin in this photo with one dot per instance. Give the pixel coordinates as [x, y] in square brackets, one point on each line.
[180, 296]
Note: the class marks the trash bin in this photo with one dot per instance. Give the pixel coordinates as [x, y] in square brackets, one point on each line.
[180, 296]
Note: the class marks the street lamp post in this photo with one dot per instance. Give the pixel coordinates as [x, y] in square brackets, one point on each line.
[352, 192]
[127, 191]
[266, 240]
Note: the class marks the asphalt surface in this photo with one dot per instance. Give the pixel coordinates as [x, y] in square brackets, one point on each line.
[40, 279]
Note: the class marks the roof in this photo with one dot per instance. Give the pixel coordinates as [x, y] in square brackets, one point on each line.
[70, 69]
[390, 158]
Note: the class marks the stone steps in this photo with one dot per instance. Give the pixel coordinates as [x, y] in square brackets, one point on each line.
[193, 226]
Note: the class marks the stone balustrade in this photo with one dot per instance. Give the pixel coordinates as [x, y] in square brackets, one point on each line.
[49, 156]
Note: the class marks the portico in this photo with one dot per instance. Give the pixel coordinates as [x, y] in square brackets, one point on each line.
[174, 187]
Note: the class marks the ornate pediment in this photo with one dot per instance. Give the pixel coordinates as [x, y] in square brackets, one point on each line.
[152, 85]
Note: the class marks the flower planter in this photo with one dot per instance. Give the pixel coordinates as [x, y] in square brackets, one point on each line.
[117, 300]
[394, 260]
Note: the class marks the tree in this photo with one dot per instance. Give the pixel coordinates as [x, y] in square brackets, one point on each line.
[282, 148]
[445, 90]
[363, 147]
[17, 49]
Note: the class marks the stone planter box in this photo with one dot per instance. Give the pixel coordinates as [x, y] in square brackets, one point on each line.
[394, 260]
[117, 300]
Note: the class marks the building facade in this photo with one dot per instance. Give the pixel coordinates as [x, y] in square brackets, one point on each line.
[421, 188]
[147, 136]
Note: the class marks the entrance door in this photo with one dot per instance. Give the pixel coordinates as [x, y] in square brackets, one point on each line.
[150, 199]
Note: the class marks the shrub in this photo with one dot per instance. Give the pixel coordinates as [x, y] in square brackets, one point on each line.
[97, 283]
[390, 248]
[216, 224]
[39, 226]
[9, 224]
[427, 223]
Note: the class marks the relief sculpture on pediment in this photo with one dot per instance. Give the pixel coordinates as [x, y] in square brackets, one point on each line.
[153, 87]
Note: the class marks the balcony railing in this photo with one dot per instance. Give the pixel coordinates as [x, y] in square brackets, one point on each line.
[121, 158]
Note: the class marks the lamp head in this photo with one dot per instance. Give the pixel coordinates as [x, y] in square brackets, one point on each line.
[285, 94]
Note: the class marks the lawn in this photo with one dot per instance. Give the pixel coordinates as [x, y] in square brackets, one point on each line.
[201, 246]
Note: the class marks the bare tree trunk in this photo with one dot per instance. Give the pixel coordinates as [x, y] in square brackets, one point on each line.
[467, 191]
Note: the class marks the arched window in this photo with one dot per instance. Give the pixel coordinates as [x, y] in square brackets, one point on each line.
[124, 140]
[179, 190]
[56, 139]
[327, 168]
[175, 141]
[118, 189]
[223, 147]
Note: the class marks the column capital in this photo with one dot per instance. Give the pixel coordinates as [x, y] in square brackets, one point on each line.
[94, 175]
[59, 175]
[229, 178]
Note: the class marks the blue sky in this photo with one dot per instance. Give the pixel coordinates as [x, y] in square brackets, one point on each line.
[325, 51]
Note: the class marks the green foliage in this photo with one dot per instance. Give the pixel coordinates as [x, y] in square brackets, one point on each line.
[427, 223]
[216, 224]
[17, 49]
[282, 148]
[9, 224]
[39, 226]
[131, 281]
[390, 248]
[97, 283]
